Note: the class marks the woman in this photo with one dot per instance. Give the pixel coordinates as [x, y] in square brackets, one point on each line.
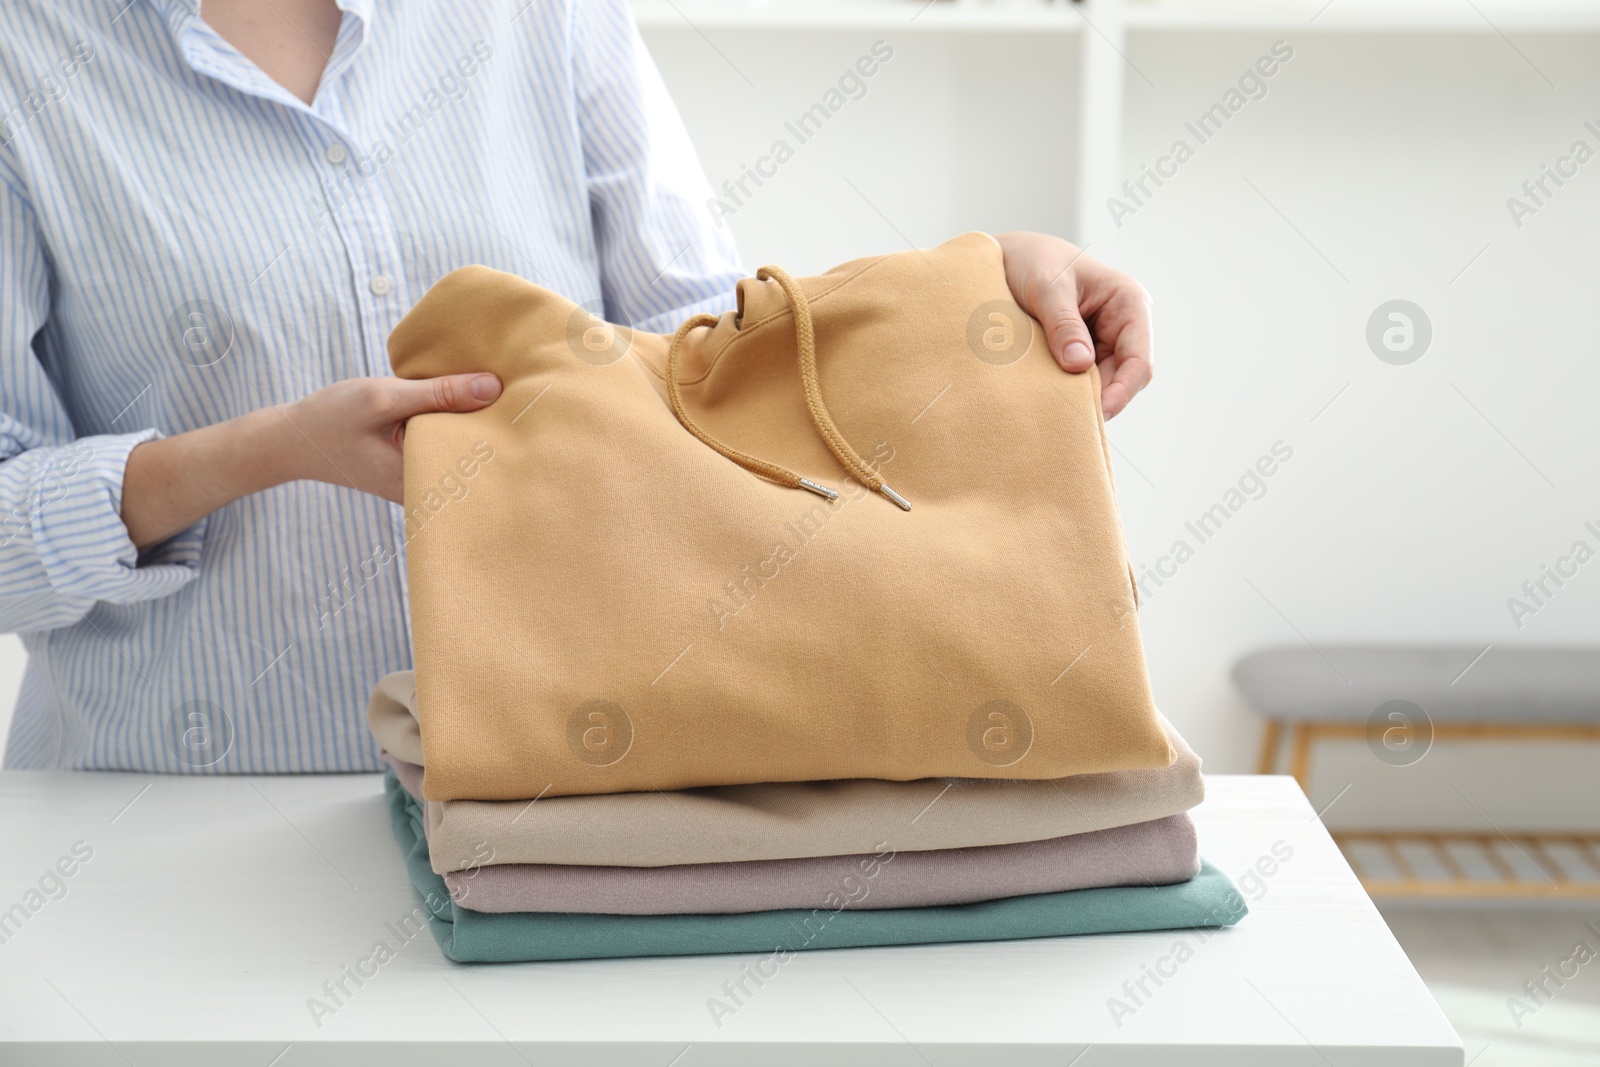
[209, 223]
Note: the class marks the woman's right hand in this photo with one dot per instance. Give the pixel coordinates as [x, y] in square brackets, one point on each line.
[348, 433]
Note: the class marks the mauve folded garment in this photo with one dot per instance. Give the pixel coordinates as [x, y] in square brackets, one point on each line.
[466, 936]
[1149, 853]
[782, 820]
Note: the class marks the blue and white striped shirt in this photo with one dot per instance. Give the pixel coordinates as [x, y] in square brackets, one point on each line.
[182, 241]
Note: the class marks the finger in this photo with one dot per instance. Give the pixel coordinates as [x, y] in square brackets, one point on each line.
[1132, 375]
[1056, 308]
[450, 392]
[1126, 323]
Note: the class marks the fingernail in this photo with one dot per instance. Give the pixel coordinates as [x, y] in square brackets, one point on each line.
[485, 387]
[1078, 352]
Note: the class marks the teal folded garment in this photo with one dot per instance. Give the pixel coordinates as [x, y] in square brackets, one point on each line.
[468, 936]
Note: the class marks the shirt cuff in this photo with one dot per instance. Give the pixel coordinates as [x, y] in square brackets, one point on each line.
[78, 532]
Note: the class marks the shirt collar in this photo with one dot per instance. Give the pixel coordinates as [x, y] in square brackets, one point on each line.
[179, 13]
[185, 25]
[360, 8]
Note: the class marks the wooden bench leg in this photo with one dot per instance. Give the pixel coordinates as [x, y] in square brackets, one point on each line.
[1300, 762]
[1269, 747]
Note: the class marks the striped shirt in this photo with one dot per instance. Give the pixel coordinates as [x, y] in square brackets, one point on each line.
[182, 241]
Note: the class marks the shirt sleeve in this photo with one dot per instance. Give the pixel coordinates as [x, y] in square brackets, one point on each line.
[63, 546]
[661, 256]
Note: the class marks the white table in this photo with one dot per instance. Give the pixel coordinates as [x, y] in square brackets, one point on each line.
[212, 910]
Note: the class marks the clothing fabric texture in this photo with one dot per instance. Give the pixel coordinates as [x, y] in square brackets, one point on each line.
[792, 819]
[182, 240]
[1160, 852]
[1151, 853]
[781, 820]
[673, 621]
[468, 936]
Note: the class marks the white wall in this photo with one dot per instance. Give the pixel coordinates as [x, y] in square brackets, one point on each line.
[1423, 497]
[933, 148]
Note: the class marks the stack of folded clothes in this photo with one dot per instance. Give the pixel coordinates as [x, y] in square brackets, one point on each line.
[788, 866]
[673, 695]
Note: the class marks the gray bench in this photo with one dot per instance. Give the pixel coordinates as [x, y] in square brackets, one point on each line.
[1400, 699]
[1452, 683]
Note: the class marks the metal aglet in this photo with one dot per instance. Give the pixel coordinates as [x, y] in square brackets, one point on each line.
[900, 501]
[820, 490]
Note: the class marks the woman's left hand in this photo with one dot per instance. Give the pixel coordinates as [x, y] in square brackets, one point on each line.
[1090, 313]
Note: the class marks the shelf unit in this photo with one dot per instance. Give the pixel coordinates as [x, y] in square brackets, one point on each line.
[939, 16]
[1366, 16]
[1094, 37]
[1064, 16]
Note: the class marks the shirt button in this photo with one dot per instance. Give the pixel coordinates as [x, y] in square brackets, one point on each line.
[336, 154]
[380, 284]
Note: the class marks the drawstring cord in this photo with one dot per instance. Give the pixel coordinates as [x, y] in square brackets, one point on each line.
[806, 342]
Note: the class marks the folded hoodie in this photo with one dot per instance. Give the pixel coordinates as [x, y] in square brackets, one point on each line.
[467, 936]
[1160, 852]
[779, 820]
[576, 550]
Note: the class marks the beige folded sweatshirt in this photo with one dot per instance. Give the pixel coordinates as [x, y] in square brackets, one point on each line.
[780, 820]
